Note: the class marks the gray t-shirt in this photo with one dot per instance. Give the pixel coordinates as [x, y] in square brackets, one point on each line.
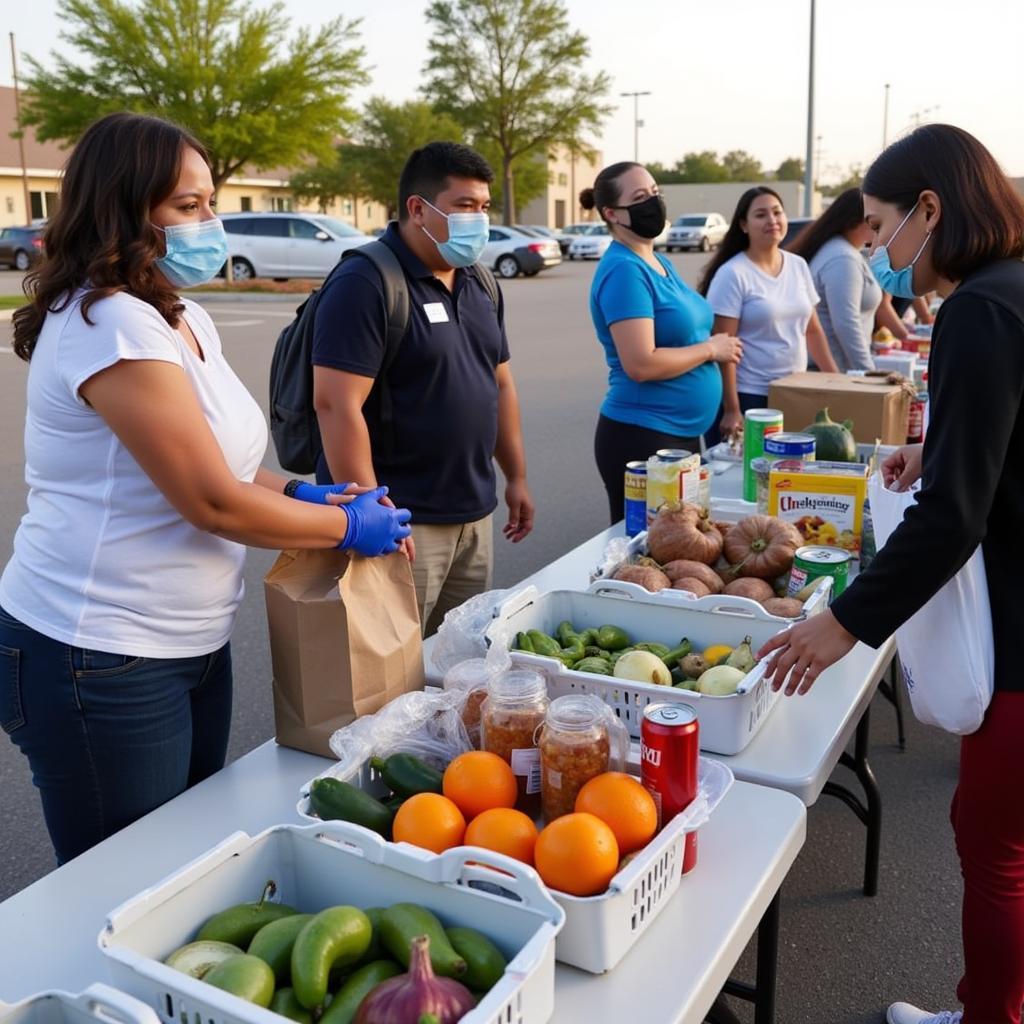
[849, 297]
[773, 314]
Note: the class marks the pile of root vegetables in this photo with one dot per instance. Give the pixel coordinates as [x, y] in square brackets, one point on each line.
[688, 551]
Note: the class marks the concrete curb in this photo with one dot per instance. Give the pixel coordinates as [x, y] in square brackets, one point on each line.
[294, 298]
[6, 314]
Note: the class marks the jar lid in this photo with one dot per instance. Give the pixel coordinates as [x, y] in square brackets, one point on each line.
[467, 675]
[519, 684]
[576, 712]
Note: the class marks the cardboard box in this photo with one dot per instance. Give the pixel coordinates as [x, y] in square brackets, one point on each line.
[878, 410]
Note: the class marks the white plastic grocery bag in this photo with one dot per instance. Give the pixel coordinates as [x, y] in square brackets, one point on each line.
[946, 649]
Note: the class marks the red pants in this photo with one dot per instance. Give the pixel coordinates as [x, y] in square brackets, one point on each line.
[988, 820]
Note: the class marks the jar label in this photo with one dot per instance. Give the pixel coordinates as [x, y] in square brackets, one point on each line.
[526, 761]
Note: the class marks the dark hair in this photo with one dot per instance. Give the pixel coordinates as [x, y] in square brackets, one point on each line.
[736, 239]
[428, 169]
[101, 235]
[606, 190]
[982, 214]
[843, 214]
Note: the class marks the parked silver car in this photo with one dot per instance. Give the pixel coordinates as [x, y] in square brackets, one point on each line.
[592, 243]
[283, 245]
[510, 252]
[703, 231]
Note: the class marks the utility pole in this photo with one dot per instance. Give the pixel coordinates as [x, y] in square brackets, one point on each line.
[809, 156]
[637, 123]
[817, 154]
[21, 133]
[885, 118]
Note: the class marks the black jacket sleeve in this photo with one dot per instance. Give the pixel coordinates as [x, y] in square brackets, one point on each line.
[976, 378]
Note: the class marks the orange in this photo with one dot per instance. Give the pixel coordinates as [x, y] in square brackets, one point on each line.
[431, 821]
[478, 781]
[624, 806]
[577, 854]
[504, 830]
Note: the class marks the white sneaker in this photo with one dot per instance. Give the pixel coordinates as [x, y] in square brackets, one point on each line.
[904, 1013]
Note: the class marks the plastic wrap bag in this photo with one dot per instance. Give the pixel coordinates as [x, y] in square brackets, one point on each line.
[470, 679]
[428, 725]
[616, 552]
[471, 631]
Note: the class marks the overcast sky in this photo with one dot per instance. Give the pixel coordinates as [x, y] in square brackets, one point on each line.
[732, 74]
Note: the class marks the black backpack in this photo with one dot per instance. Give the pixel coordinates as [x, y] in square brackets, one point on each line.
[293, 422]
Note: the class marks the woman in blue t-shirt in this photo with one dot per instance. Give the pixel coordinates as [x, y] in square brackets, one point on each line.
[663, 387]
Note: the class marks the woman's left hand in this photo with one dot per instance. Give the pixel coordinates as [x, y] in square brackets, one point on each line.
[804, 651]
[328, 494]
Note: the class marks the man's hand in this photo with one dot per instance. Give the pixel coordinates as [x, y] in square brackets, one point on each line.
[520, 510]
[407, 545]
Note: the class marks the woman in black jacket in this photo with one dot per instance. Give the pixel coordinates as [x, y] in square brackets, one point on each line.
[947, 219]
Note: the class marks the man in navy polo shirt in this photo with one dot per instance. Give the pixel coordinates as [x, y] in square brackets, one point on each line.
[455, 408]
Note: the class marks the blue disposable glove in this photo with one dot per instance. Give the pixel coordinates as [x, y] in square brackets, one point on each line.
[317, 493]
[373, 528]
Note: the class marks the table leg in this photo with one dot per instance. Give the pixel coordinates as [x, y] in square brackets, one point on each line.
[871, 814]
[892, 691]
[762, 992]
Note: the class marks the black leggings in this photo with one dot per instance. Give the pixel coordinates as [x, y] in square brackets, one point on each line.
[617, 443]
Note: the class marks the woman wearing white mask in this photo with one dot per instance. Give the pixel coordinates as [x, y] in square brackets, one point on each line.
[142, 457]
[945, 217]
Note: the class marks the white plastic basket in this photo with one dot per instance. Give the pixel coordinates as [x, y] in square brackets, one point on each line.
[599, 930]
[334, 863]
[98, 1004]
[727, 724]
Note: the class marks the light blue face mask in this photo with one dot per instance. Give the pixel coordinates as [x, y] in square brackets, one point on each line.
[467, 236]
[194, 252]
[896, 282]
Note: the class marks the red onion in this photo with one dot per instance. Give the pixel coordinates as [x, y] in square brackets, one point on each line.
[405, 999]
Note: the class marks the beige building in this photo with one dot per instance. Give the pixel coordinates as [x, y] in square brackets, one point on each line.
[568, 174]
[261, 191]
[722, 197]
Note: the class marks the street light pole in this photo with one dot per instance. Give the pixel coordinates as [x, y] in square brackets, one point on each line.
[636, 122]
[21, 133]
[809, 156]
[885, 118]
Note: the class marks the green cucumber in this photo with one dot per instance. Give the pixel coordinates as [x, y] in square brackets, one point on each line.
[240, 923]
[406, 775]
[357, 987]
[486, 962]
[273, 944]
[247, 977]
[285, 1004]
[334, 800]
[403, 922]
[336, 937]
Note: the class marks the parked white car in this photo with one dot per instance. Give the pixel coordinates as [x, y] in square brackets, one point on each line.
[591, 244]
[511, 252]
[283, 245]
[703, 231]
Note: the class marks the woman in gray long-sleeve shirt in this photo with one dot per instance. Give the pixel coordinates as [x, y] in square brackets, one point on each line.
[849, 293]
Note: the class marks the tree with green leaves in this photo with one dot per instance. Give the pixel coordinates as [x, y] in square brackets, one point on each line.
[742, 166]
[370, 163]
[701, 167]
[223, 69]
[854, 179]
[511, 72]
[791, 169]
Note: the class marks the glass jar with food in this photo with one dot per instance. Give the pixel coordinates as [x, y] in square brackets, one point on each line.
[470, 678]
[581, 738]
[516, 704]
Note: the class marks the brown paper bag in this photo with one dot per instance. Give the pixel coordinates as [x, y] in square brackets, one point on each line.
[344, 640]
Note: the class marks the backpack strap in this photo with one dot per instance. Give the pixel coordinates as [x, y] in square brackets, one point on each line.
[486, 278]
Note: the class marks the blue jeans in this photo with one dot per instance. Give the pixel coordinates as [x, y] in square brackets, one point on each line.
[109, 737]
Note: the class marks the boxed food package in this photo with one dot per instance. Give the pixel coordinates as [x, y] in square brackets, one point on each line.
[823, 500]
[878, 409]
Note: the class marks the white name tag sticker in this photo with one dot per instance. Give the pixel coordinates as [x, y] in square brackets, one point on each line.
[436, 313]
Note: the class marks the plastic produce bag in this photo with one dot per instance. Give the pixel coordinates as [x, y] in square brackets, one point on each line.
[428, 725]
[471, 631]
[946, 649]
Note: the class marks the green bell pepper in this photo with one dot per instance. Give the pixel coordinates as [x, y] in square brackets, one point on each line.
[595, 666]
[612, 638]
[544, 644]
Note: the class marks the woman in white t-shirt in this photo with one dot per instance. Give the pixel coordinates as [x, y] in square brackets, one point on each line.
[766, 298]
[142, 458]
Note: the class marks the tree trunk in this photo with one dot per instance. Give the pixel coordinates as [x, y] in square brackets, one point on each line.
[509, 206]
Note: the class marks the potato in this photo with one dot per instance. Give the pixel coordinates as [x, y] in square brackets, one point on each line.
[646, 576]
[685, 567]
[785, 607]
[693, 585]
[749, 586]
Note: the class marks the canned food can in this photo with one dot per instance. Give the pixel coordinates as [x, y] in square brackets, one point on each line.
[669, 746]
[811, 563]
[790, 446]
[636, 498]
[757, 424]
[915, 421]
[672, 476]
[704, 495]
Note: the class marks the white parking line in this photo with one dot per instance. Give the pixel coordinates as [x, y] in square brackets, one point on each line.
[288, 314]
[237, 323]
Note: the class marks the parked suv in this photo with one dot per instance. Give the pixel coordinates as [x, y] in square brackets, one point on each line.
[283, 245]
[20, 247]
[703, 231]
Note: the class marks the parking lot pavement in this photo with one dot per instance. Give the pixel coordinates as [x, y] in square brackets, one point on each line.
[842, 957]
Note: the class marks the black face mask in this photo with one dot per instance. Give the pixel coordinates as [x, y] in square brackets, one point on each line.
[646, 218]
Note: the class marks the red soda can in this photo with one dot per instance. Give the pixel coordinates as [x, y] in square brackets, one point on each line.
[668, 764]
[915, 421]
